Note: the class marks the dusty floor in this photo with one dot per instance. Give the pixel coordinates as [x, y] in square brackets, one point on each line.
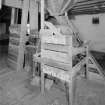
[15, 89]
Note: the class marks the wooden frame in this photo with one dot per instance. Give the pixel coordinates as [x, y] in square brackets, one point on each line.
[48, 64]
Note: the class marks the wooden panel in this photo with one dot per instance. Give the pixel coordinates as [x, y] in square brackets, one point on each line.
[58, 56]
[55, 72]
[55, 47]
[49, 37]
[53, 63]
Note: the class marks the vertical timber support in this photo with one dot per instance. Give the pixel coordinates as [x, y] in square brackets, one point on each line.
[33, 17]
[25, 10]
[70, 83]
[13, 16]
[16, 15]
[42, 27]
[72, 74]
[87, 61]
[0, 4]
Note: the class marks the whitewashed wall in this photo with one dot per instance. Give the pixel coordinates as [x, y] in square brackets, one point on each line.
[90, 31]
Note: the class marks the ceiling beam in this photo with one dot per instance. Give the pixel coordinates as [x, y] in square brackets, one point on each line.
[13, 3]
[87, 2]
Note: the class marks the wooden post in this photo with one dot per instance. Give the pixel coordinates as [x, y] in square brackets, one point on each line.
[16, 15]
[42, 27]
[13, 16]
[0, 4]
[70, 84]
[87, 60]
[33, 20]
[33, 15]
[25, 10]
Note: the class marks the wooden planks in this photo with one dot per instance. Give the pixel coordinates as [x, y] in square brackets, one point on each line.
[53, 63]
[13, 43]
[55, 47]
[61, 57]
[88, 7]
[49, 37]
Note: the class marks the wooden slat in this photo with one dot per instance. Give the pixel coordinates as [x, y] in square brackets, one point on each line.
[88, 7]
[55, 47]
[99, 68]
[12, 57]
[55, 72]
[12, 64]
[58, 56]
[79, 4]
[92, 66]
[53, 63]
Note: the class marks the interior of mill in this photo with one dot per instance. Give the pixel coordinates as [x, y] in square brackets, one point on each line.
[52, 52]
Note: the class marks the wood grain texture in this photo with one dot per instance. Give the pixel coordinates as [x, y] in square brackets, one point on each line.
[58, 56]
[25, 10]
[49, 36]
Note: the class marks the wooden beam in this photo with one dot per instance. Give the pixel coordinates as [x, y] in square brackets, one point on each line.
[88, 2]
[33, 15]
[42, 27]
[13, 16]
[0, 4]
[13, 3]
[25, 10]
